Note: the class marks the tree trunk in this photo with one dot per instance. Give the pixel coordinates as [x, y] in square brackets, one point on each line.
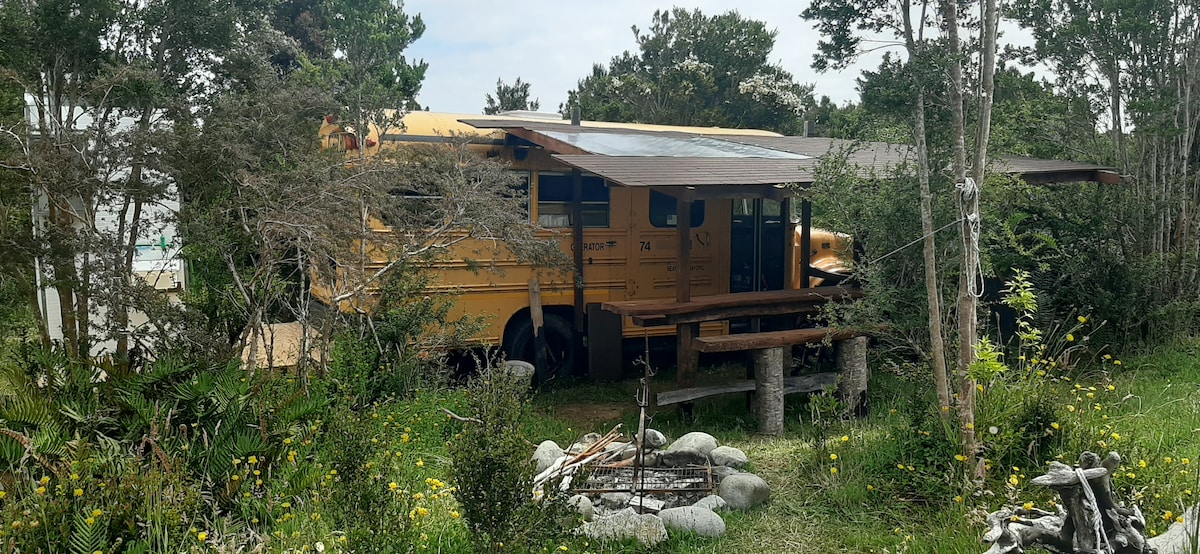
[854, 374]
[972, 285]
[937, 343]
[768, 389]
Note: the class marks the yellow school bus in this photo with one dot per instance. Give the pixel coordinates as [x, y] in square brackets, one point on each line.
[629, 236]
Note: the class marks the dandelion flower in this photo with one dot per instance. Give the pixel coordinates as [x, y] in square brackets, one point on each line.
[41, 490]
[201, 536]
[1168, 515]
[1081, 319]
[1142, 464]
[78, 492]
[393, 485]
[958, 499]
[833, 456]
[1070, 337]
[960, 457]
[833, 470]
[1054, 425]
[454, 514]
[1013, 480]
[97, 513]
[870, 487]
[1028, 506]
[845, 438]
[420, 463]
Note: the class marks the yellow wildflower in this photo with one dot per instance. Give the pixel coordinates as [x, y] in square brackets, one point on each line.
[201, 536]
[1081, 319]
[1054, 425]
[393, 485]
[97, 513]
[960, 457]
[78, 492]
[420, 463]
[41, 490]
[454, 514]
[1070, 337]
[833, 470]
[833, 456]
[1142, 464]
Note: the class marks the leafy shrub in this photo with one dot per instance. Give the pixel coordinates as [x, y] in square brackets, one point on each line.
[402, 345]
[492, 472]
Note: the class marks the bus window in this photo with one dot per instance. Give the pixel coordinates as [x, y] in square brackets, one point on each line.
[664, 210]
[521, 190]
[554, 200]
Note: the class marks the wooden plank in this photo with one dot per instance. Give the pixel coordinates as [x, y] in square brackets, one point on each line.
[662, 307]
[540, 348]
[535, 305]
[791, 385]
[784, 308]
[772, 339]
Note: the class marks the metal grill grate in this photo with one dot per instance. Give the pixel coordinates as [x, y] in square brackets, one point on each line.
[604, 478]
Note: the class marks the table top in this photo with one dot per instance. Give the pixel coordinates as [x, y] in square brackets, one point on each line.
[723, 306]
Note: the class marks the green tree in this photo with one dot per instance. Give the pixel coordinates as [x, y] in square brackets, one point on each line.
[364, 65]
[510, 97]
[1136, 63]
[103, 79]
[693, 69]
[838, 21]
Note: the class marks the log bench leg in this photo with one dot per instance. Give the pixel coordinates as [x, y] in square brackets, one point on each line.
[854, 374]
[768, 389]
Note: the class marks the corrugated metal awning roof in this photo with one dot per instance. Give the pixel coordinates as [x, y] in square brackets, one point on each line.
[740, 165]
[710, 177]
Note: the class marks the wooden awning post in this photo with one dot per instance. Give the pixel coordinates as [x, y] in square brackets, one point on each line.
[805, 242]
[687, 358]
[577, 246]
[789, 250]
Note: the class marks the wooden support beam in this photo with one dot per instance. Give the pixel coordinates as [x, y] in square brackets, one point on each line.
[687, 358]
[577, 246]
[790, 270]
[805, 241]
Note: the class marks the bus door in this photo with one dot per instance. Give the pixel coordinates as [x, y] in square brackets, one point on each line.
[757, 240]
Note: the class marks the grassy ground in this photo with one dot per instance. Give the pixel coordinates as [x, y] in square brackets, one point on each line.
[897, 480]
[889, 482]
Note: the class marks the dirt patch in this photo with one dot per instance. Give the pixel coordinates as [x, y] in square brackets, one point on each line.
[589, 415]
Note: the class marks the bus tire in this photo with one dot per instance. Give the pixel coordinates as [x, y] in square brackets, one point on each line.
[561, 353]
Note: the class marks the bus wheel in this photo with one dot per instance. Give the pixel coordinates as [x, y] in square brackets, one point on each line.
[560, 343]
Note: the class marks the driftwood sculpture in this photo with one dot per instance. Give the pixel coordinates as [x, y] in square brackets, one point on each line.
[1089, 520]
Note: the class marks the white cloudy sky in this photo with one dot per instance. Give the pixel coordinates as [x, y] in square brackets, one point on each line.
[553, 43]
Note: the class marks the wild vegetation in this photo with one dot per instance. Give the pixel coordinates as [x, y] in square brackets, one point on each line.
[216, 102]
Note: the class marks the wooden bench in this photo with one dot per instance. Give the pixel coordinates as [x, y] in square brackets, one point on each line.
[791, 385]
[771, 351]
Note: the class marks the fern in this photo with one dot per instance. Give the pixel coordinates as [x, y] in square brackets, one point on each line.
[88, 535]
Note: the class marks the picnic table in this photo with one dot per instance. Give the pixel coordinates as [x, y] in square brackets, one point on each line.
[771, 349]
